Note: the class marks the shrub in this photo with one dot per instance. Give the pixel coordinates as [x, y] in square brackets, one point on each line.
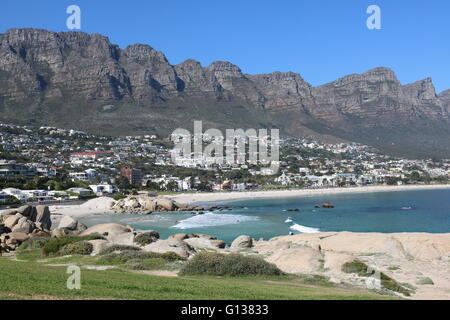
[119, 196]
[135, 264]
[358, 267]
[34, 243]
[118, 248]
[424, 281]
[210, 263]
[146, 238]
[171, 256]
[82, 248]
[52, 246]
[128, 255]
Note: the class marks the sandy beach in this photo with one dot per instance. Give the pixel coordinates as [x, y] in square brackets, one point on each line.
[92, 207]
[102, 206]
[225, 196]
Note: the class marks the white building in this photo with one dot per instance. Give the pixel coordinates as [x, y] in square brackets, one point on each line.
[283, 180]
[16, 193]
[86, 175]
[103, 188]
[81, 191]
[38, 195]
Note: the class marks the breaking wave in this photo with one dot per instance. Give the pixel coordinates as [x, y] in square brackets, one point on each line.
[303, 229]
[211, 220]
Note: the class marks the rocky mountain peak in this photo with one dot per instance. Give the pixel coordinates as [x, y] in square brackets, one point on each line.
[142, 53]
[65, 78]
[423, 89]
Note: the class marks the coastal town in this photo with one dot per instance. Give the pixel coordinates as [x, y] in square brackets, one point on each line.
[47, 164]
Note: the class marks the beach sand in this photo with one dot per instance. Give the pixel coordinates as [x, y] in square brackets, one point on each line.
[97, 206]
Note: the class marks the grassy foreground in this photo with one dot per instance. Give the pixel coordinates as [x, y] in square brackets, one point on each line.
[33, 280]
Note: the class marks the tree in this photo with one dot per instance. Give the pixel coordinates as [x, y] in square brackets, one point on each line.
[172, 186]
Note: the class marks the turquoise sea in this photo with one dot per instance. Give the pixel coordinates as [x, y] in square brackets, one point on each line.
[387, 212]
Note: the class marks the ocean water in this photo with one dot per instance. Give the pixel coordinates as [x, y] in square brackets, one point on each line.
[387, 212]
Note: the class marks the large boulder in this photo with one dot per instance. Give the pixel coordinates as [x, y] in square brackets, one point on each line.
[24, 226]
[296, 260]
[178, 237]
[11, 221]
[26, 211]
[181, 206]
[149, 205]
[42, 216]
[165, 204]
[67, 222]
[16, 237]
[57, 233]
[6, 213]
[71, 225]
[162, 246]
[109, 229]
[242, 242]
[204, 243]
[125, 239]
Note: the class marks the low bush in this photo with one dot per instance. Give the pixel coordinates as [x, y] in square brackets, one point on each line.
[358, 267]
[146, 238]
[119, 196]
[135, 264]
[171, 256]
[82, 248]
[34, 243]
[126, 256]
[147, 264]
[425, 281]
[52, 246]
[210, 263]
[118, 248]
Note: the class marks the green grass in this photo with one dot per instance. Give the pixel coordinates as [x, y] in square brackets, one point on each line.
[28, 280]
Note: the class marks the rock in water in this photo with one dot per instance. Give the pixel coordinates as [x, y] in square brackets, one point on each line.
[165, 204]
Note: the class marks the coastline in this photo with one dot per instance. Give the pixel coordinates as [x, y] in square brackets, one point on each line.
[102, 206]
[245, 195]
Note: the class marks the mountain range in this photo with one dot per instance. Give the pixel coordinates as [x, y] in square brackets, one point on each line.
[83, 81]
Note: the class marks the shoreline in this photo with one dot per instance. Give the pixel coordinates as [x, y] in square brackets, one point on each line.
[273, 194]
[102, 206]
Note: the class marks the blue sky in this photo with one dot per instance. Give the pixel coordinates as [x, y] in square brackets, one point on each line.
[321, 39]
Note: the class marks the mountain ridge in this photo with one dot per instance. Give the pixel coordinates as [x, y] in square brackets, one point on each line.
[80, 80]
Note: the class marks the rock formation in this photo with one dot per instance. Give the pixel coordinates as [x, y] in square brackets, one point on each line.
[18, 225]
[65, 78]
[148, 205]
